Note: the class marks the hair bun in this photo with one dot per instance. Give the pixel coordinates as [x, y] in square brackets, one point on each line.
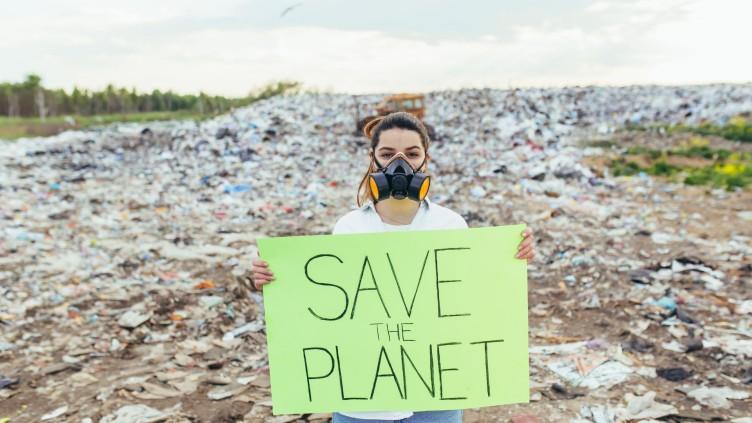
[369, 127]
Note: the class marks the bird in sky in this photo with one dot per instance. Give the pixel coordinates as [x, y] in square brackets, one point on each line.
[286, 11]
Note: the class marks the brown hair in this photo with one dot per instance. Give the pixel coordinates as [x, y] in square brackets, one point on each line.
[373, 130]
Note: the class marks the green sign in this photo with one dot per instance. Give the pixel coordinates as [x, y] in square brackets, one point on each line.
[415, 320]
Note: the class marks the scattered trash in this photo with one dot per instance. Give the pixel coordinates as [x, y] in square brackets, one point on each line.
[598, 414]
[716, 397]
[644, 407]
[478, 192]
[138, 413]
[745, 307]
[7, 382]
[124, 264]
[565, 392]
[669, 304]
[254, 326]
[132, 319]
[227, 391]
[605, 375]
[745, 215]
[55, 413]
[237, 188]
[674, 374]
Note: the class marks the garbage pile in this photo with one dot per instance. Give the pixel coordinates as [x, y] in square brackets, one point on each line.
[126, 250]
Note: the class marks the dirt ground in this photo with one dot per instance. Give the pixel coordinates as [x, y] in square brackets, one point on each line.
[613, 229]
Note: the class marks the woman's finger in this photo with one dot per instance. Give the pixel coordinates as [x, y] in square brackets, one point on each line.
[262, 270]
[526, 256]
[263, 277]
[524, 247]
[525, 244]
[260, 263]
[523, 253]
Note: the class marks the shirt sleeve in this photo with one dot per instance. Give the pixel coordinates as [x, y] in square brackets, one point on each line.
[342, 226]
[353, 222]
[454, 220]
[459, 222]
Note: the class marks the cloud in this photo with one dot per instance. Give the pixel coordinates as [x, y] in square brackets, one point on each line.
[230, 48]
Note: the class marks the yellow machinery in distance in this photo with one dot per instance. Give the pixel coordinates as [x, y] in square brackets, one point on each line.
[404, 102]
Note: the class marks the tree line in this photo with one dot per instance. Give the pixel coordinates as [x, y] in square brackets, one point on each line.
[30, 98]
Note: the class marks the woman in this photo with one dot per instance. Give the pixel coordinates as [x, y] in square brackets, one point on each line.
[392, 197]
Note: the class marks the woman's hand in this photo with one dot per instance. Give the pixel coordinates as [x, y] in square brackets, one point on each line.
[526, 250]
[261, 275]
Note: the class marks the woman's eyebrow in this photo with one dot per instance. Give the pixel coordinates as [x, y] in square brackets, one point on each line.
[393, 149]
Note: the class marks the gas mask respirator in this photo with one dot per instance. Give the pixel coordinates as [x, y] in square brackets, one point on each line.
[398, 180]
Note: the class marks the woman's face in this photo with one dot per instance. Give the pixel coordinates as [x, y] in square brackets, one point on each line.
[398, 140]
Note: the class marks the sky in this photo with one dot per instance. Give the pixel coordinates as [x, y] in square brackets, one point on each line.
[231, 47]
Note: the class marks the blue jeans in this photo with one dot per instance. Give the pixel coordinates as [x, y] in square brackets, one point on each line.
[449, 416]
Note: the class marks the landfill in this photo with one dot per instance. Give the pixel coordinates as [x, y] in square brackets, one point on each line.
[126, 253]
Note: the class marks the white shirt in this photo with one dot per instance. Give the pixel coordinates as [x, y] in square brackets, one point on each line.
[366, 219]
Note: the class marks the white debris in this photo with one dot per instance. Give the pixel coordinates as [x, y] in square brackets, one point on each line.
[132, 319]
[714, 397]
[137, 414]
[55, 413]
[254, 326]
[644, 407]
[605, 375]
